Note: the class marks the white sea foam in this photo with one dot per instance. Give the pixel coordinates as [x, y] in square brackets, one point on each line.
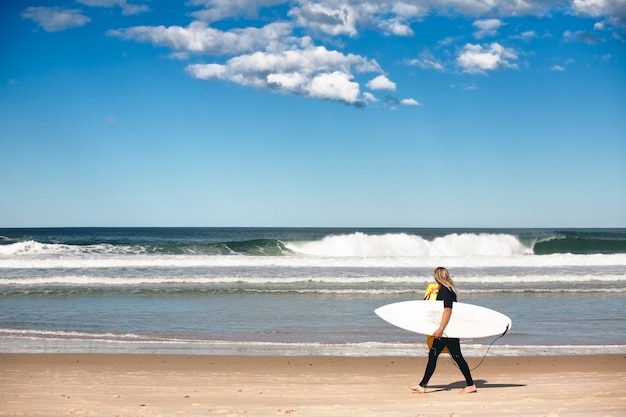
[332, 281]
[100, 260]
[17, 341]
[393, 250]
[51, 334]
[32, 248]
[405, 245]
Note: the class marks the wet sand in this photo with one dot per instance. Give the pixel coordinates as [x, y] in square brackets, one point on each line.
[315, 386]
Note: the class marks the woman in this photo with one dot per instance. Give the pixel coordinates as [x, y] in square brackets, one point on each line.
[447, 293]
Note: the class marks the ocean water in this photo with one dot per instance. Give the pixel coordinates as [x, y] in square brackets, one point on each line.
[256, 291]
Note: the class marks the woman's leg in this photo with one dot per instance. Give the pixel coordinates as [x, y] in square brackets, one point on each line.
[433, 354]
[454, 346]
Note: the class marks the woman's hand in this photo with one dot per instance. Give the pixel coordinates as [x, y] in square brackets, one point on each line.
[438, 334]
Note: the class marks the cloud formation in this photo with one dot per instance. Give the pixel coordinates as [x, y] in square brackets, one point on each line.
[426, 60]
[583, 36]
[410, 102]
[479, 59]
[55, 19]
[597, 8]
[312, 71]
[127, 9]
[487, 27]
[200, 38]
[216, 10]
[302, 50]
[382, 83]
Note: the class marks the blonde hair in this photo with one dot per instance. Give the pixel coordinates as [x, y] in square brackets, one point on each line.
[442, 276]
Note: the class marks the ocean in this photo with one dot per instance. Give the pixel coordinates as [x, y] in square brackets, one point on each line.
[303, 291]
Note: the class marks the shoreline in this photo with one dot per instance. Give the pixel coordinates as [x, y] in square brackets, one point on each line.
[317, 386]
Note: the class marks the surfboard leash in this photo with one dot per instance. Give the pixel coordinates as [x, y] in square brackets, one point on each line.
[486, 352]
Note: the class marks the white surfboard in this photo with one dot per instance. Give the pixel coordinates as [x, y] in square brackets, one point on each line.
[424, 317]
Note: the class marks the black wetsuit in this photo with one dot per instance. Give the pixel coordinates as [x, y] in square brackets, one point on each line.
[454, 346]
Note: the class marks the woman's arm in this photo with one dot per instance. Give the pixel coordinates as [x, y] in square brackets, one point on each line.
[445, 319]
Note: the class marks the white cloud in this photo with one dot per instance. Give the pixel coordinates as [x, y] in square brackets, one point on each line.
[478, 59]
[127, 9]
[613, 10]
[486, 27]
[583, 36]
[336, 85]
[370, 97]
[214, 10]
[449, 40]
[209, 71]
[55, 19]
[407, 9]
[426, 60]
[597, 8]
[394, 17]
[381, 83]
[410, 102]
[332, 19]
[199, 38]
[557, 68]
[100, 3]
[393, 102]
[492, 7]
[311, 72]
[289, 81]
[396, 28]
[282, 56]
[526, 36]
[598, 26]
[343, 17]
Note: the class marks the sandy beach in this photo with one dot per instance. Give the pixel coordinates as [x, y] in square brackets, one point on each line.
[169, 385]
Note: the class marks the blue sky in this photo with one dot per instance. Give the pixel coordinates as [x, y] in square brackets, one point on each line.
[414, 113]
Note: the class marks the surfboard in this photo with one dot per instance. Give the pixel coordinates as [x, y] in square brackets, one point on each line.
[424, 317]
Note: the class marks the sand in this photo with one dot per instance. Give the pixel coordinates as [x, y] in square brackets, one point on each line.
[229, 386]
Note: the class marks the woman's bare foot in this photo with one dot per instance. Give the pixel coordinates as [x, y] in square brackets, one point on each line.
[417, 388]
[469, 389]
